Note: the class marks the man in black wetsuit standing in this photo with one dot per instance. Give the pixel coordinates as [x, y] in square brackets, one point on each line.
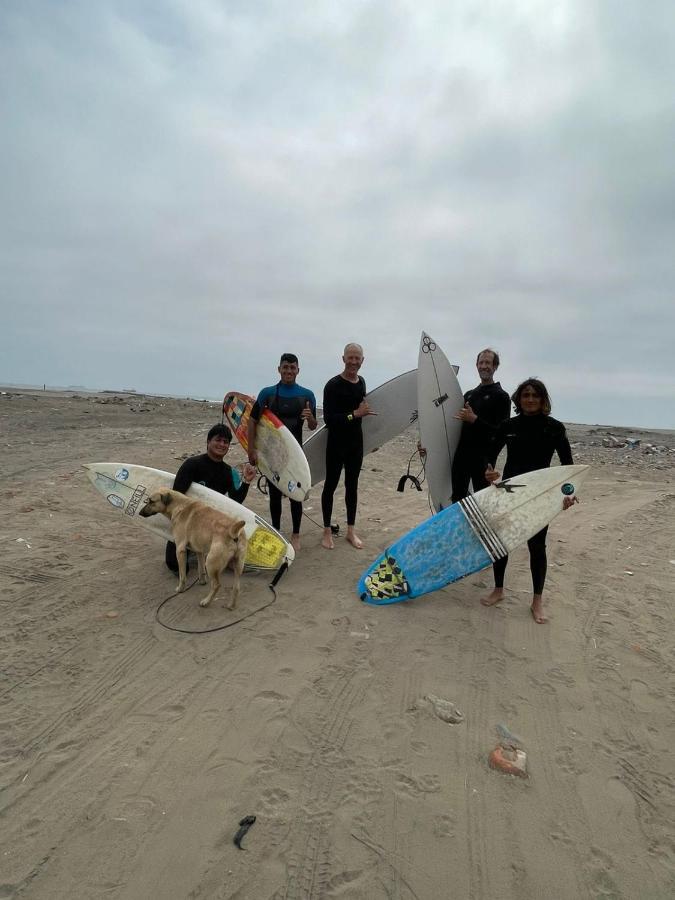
[211, 470]
[484, 408]
[344, 406]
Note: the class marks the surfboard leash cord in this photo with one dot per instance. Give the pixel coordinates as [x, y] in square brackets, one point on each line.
[415, 480]
[262, 487]
[272, 586]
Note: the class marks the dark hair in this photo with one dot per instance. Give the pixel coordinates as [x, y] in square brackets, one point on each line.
[495, 356]
[289, 358]
[540, 390]
[220, 431]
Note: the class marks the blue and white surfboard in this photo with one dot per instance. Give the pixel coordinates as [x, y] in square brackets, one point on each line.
[469, 535]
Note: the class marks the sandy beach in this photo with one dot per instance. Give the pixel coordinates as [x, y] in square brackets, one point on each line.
[130, 753]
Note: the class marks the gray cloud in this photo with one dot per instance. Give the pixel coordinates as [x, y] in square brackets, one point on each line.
[243, 179]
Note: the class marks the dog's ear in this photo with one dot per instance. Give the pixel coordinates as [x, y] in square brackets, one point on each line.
[236, 528]
[165, 498]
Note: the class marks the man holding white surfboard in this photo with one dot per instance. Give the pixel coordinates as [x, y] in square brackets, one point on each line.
[211, 470]
[485, 407]
[294, 405]
[344, 406]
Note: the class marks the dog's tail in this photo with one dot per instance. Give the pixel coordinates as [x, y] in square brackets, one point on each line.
[236, 528]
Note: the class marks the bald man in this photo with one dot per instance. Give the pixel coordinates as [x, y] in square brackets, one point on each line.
[344, 406]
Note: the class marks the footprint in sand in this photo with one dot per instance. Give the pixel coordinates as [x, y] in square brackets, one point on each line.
[272, 799]
[444, 826]
[604, 885]
[425, 784]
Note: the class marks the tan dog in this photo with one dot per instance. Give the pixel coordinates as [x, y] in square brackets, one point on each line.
[217, 539]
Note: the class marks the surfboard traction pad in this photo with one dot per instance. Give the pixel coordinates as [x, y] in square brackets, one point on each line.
[266, 549]
[387, 582]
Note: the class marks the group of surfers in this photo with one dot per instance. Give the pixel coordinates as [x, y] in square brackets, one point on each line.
[531, 437]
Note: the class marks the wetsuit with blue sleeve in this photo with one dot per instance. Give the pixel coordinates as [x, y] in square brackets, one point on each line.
[287, 402]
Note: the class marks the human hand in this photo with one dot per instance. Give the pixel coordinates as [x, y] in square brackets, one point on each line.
[363, 409]
[249, 473]
[491, 474]
[253, 457]
[569, 501]
[307, 415]
[466, 414]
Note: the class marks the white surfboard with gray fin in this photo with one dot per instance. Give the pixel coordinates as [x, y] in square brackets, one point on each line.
[439, 399]
[470, 535]
[127, 487]
[395, 403]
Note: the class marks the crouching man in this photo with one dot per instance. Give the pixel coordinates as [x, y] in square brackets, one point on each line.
[211, 470]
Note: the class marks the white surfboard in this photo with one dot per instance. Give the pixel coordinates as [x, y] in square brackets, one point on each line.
[439, 398]
[470, 535]
[280, 457]
[395, 403]
[516, 509]
[127, 487]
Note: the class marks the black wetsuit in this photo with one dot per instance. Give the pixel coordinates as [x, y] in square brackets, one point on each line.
[344, 448]
[531, 442]
[289, 410]
[215, 475]
[491, 404]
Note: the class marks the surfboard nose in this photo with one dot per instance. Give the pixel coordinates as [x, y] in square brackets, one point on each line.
[90, 469]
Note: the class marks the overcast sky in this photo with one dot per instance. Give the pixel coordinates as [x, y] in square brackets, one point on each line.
[191, 187]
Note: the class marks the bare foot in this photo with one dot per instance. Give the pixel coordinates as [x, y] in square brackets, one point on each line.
[327, 539]
[295, 541]
[354, 539]
[495, 597]
[537, 610]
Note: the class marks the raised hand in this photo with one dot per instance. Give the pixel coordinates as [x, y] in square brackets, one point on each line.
[363, 409]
